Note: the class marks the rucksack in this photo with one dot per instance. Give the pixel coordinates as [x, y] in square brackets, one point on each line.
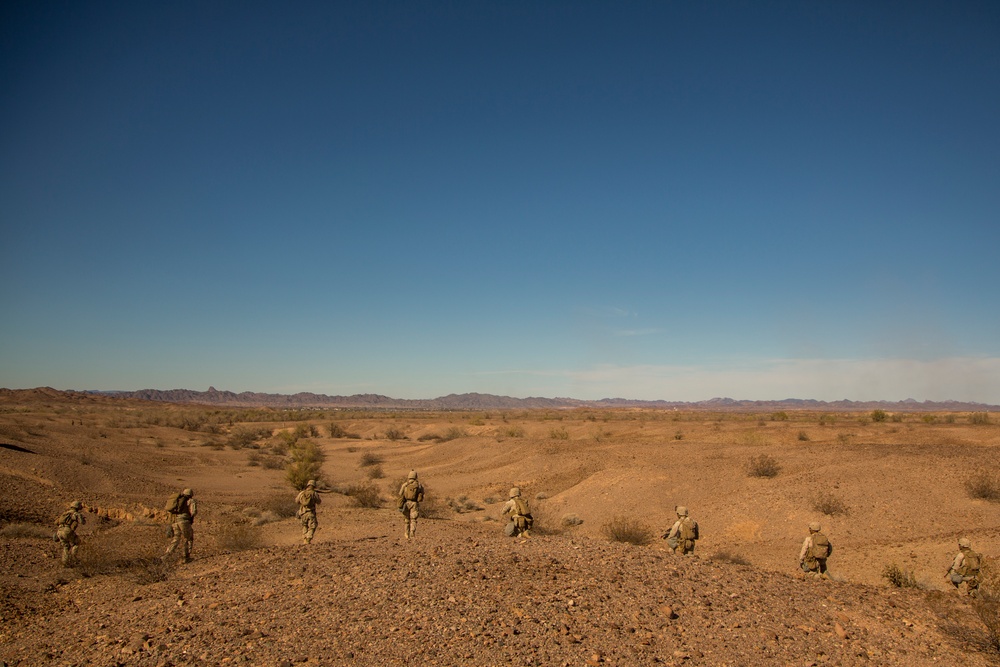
[688, 529]
[411, 490]
[522, 507]
[821, 547]
[66, 519]
[174, 504]
[970, 566]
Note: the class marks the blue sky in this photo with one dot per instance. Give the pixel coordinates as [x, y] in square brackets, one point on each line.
[652, 200]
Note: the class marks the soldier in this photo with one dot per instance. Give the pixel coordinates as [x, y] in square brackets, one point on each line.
[816, 548]
[308, 499]
[683, 534]
[411, 494]
[965, 568]
[521, 520]
[66, 535]
[182, 509]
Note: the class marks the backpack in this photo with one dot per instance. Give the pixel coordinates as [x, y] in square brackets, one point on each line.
[67, 519]
[821, 547]
[522, 507]
[688, 529]
[411, 490]
[174, 504]
[970, 566]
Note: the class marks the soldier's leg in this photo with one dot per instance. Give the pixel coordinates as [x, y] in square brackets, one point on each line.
[188, 541]
[175, 540]
[412, 525]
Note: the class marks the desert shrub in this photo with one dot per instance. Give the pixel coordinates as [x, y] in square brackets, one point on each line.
[844, 438]
[627, 529]
[728, 557]
[803, 436]
[271, 462]
[896, 417]
[253, 459]
[462, 504]
[131, 550]
[512, 432]
[678, 435]
[949, 419]
[284, 506]
[376, 472]
[394, 434]
[983, 485]
[763, 465]
[987, 607]
[779, 416]
[898, 577]
[370, 459]
[570, 520]
[336, 430]
[246, 437]
[22, 531]
[429, 436]
[829, 504]
[559, 434]
[453, 433]
[307, 461]
[979, 418]
[364, 495]
[879, 415]
[929, 419]
[239, 537]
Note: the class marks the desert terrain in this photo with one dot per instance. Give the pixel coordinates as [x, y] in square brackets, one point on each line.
[889, 489]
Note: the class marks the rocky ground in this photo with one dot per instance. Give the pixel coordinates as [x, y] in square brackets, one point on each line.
[462, 593]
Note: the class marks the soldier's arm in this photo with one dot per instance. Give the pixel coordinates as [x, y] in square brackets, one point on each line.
[806, 545]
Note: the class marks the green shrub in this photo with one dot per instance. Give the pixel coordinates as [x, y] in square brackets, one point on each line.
[879, 415]
[307, 462]
[627, 529]
[779, 416]
[336, 430]
[762, 465]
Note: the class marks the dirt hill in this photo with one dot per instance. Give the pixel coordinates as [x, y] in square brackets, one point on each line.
[462, 593]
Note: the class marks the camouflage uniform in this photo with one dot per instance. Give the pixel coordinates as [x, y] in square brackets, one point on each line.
[181, 530]
[521, 520]
[411, 494]
[683, 534]
[965, 569]
[308, 499]
[66, 532]
[811, 558]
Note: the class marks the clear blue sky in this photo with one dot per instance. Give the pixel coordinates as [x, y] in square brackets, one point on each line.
[652, 200]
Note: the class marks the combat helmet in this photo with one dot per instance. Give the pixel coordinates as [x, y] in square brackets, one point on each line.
[311, 482]
[76, 504]
[514, 492]
[682, 510]
[187, 492]
[964, 543]
[412, 475]
[814, 527]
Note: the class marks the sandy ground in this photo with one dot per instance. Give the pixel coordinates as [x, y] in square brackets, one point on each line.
[462, 593]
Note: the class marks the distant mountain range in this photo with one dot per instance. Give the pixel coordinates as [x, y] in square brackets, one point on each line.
[476, 401]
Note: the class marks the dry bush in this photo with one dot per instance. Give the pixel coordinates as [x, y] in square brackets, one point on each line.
[728, 557]
[462, 504]
[987, 608]
[430, 436]
[282, 506]
[570, 520]
[395, 434]
[803, 436]
[453, 433]
[979, 418]
[239, 537]
[370, 459]
[338, 431]
[559, 434]
[829, 504]
[900, 578]
[627, 529]
[511, 432]
[22, 531]
[131, 549]
[376, 472]
[983, 485]
[763, 465]
[364, 495]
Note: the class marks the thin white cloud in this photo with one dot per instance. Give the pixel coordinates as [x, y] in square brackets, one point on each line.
[637, 332]
[958, 378]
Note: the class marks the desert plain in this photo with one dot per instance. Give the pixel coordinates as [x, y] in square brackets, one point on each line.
[894, 492]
